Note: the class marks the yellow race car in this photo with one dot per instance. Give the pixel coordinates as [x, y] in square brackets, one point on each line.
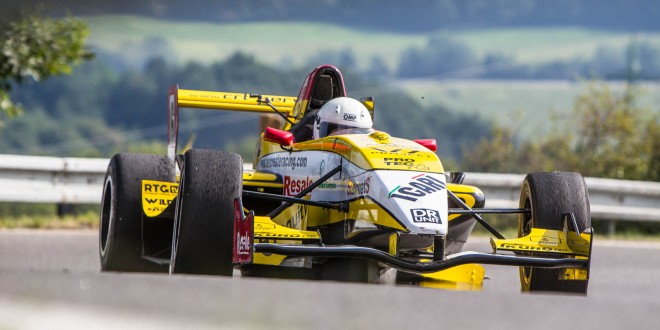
[329, 197]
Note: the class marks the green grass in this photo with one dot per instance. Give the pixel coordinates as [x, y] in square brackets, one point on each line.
[86, 220]
[534, 45]
[44, 216]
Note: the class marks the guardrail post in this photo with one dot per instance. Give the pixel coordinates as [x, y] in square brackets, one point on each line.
[611, 228]
[64, 209]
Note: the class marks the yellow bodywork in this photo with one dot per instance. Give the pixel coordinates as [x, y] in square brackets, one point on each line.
[262, 180]
[468, 277]
[377, 150]
[266, 229]
[547, 241]
[234, 101]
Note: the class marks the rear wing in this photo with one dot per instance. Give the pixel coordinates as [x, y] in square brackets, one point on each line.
[255, 103]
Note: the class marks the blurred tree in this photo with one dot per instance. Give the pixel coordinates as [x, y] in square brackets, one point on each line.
[377, 68]
[608, 135]
[35, 47]
[442, 56]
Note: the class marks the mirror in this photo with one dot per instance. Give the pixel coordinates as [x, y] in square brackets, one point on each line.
[369, 104]
[278, 136]
[428, 143]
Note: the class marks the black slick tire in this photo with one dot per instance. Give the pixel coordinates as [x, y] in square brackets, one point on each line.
[202, 241]
[120, 225]
[549, 196]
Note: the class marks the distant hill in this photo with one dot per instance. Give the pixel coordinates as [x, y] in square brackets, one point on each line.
[390, 15]
[495, 53]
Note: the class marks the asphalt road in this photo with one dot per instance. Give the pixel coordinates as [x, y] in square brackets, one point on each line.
[51, 279]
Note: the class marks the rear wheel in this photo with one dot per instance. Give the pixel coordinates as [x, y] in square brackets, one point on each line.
[202, 242]
[549, 196]
[120, 227]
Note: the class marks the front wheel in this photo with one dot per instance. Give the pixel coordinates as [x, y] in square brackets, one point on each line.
[549, 196]
[202, 241]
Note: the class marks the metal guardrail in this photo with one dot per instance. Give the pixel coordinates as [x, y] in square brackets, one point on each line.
[57, 180]
[34, 179]
[618, 200]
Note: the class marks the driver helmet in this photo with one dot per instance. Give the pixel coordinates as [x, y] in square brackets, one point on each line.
[342, 114]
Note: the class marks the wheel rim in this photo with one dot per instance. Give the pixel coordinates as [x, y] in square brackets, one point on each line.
[106, 215]
[177, 222]
[525, 224]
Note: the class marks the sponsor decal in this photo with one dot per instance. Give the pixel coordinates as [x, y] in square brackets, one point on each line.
[550, 241]
[322, 167]
[399, 161]
[358, 188]
[232, 96]
[165, 188]
[265, 234]
[386, 151]
[242, 244]
[380, 136]
[350, 117]
[328, 185]
[154, 210]
[283, 161]
[425, 215]
[157, 195]
[259, 227]
[297, 218]
[157, 201]
[515, 246]
[419, 186]
[293, 187]
[341, 146]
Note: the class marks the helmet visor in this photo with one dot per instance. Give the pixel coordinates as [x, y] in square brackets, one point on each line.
[326, 129]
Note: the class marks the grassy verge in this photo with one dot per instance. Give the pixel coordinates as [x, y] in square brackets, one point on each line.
[45, 216]
[87, 220]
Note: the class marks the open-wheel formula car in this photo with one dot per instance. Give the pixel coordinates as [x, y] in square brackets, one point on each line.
[329, 197]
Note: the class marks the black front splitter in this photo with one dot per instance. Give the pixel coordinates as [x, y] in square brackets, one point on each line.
[420, 267]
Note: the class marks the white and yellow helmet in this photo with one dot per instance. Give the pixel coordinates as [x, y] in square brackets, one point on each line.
[342, 114]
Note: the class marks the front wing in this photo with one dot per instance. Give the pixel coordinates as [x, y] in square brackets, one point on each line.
[569, 249]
